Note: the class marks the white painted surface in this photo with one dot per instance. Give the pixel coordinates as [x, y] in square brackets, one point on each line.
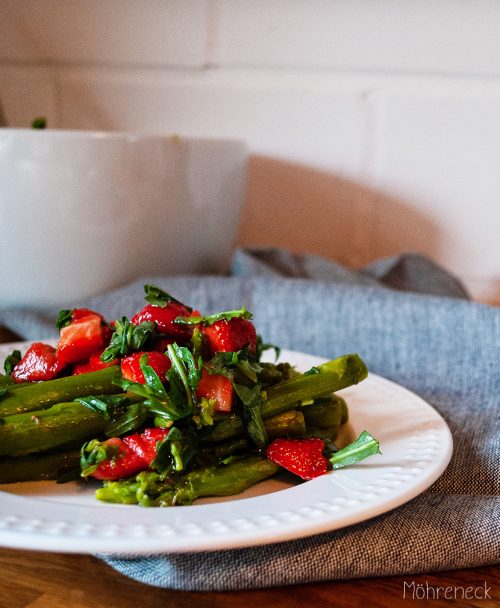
[374, 124]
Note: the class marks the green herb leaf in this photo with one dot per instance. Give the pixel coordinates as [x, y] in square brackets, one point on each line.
[188, 373]
[132, 419]
[128, 338]
[93, 453]
[192, 367]
[205, 409]
[234, 365]
[107, 406]
[252, 414]
[152, 380]
[312, 371]
[262, 346]
[170, 405]
[242, 313]
[64, 318]
[11, 361]
[365, 445]
[175, 452]
[158, 297]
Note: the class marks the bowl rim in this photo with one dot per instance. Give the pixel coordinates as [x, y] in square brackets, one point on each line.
[132, 136]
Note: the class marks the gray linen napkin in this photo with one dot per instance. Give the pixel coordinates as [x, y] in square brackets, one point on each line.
[441, 346]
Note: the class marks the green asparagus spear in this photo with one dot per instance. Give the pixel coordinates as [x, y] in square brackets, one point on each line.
[149, 490]
[38, 467]
[323, 418]
[5, 381]
[58, 425]
[329, 377]
[214, 454]
[287, 424]
[41, 395]
[232, 425]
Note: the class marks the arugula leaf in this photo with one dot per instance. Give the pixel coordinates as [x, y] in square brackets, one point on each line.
[186, 369]
[252, 413]
[183, 359]
[175, 452]
[132, 419]
[205, 413]
[64, 317]
[234, 365]
[365, 445]
[93, 453]
[249, 369]
[262, 346]
[171, 404]
[158, 297]
[242, 313]
[11, 361]
[128, 338]
[219, 363]
[122, 413]
[197, 342]
[107, 406]
[312, 371]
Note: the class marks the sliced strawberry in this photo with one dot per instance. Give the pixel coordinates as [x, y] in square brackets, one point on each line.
[133, 454]
[304, 457]
[231, 335]
[218, 388]
[124, 463]
[144, 445]
[93, 364]
[81, 339]
[39, 363]
[131, 367]
[161, 343]
[79, 313]
[164, 319]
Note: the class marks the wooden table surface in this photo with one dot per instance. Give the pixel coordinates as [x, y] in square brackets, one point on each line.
[32, 579]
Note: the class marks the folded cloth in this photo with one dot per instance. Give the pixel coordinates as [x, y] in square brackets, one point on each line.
[442, 346]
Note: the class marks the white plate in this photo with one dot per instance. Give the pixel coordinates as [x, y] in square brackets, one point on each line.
[416, 447]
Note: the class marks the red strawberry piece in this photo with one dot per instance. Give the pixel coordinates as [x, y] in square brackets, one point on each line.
[124, 463]
[81, 339]
[304, 457]
[161, 343]
[164, 318]
[216, 387]
[144, 445]
[39, 363]
[93, 364]
[131, 367]
[78, 313]
[231, 335]
[134, 453]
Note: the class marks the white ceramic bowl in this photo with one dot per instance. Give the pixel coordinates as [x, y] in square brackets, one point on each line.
[82, 212]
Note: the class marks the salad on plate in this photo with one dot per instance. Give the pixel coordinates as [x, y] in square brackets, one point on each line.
[169, 406]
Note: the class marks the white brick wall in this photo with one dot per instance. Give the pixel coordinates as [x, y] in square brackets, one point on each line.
[374, 124]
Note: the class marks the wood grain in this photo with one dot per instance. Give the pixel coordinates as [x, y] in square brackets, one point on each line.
[49, 580]
[6, 335]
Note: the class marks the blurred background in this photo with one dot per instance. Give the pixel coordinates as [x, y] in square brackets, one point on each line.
[373, 125]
